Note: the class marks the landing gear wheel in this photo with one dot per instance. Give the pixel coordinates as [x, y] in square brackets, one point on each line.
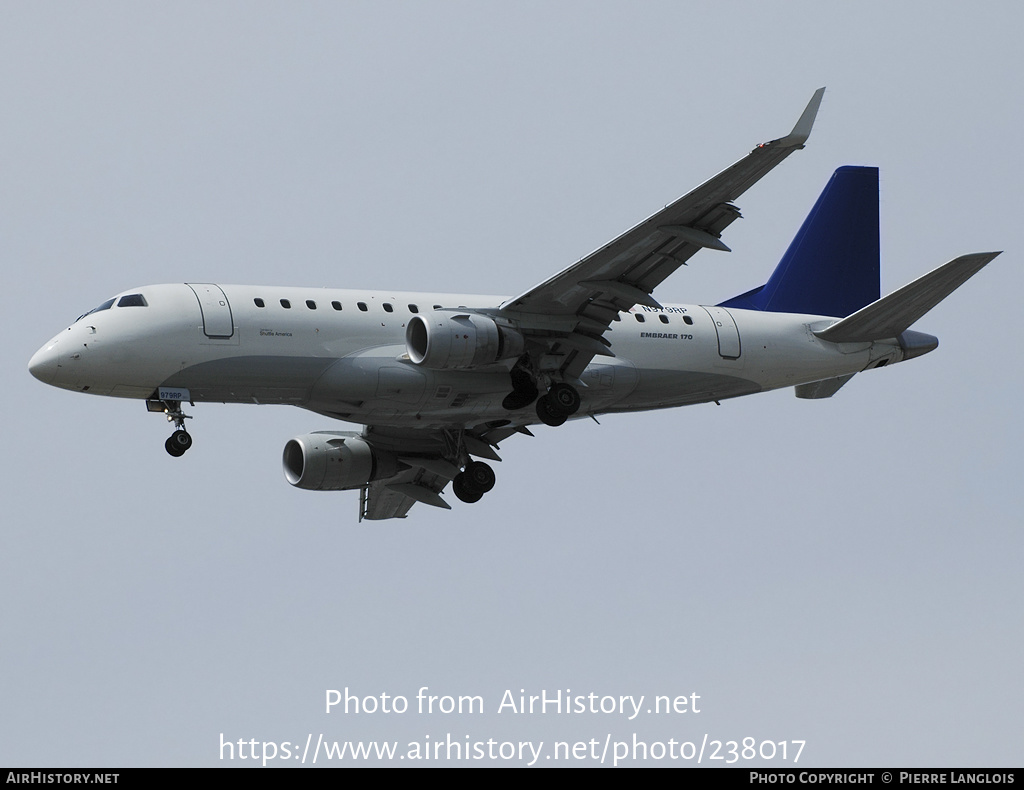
[177, 443]
[479, 477]
[460, 487]
[549, 412]
[565, 397]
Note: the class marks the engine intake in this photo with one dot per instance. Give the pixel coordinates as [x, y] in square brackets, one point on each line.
[447, 341]
[331, 461]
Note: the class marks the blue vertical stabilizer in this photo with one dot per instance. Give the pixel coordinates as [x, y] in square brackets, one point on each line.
[832, 266]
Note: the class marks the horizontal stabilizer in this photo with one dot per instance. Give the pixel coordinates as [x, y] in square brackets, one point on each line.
[821, 389]
[892, 314]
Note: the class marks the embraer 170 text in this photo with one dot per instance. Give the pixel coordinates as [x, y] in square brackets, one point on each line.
[438, 380]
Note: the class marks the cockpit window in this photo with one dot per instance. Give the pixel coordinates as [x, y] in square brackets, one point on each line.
[105, 306]
[132, 300]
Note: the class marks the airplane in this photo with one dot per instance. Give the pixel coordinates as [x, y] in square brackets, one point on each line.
[439, 380]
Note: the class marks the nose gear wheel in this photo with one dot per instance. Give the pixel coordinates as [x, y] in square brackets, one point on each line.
[178, 442]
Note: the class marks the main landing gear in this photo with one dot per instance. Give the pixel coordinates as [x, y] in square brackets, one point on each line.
[558, 405]
[471, 484]
[524, 390]
[561, 402]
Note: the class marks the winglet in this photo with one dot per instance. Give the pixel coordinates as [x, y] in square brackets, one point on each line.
[802, 130]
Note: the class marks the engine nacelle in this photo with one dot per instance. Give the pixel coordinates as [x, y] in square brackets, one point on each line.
[452, 341]
[331, 461]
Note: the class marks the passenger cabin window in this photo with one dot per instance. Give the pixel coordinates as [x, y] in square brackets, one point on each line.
[388, 308]
[311, 304]
[413, 308]
[259, 302]
[437, 307]
[664, 318]
[286, 304]
[361, 306]
[336, 305]
[132, 300]
[639, 318]
[687, 320]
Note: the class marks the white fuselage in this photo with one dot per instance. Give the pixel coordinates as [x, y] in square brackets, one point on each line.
[299, 348]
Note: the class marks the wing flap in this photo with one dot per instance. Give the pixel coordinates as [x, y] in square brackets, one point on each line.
[395, 496]
[378, 502]
[428, 460]
[420, 493]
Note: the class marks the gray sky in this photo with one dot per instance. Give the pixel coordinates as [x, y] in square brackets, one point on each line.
[845, 572]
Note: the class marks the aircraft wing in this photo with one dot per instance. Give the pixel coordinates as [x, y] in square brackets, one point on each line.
[394, 498]
[429, 464]
[624, 272]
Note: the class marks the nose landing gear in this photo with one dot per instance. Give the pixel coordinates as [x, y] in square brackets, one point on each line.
[179, 441]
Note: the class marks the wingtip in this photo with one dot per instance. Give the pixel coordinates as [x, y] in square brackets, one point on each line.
[978, 259]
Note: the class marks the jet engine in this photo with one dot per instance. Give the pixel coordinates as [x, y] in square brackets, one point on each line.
[450, 341]
[331, 461]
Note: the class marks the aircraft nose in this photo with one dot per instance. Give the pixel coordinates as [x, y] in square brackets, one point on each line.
[43, 364]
